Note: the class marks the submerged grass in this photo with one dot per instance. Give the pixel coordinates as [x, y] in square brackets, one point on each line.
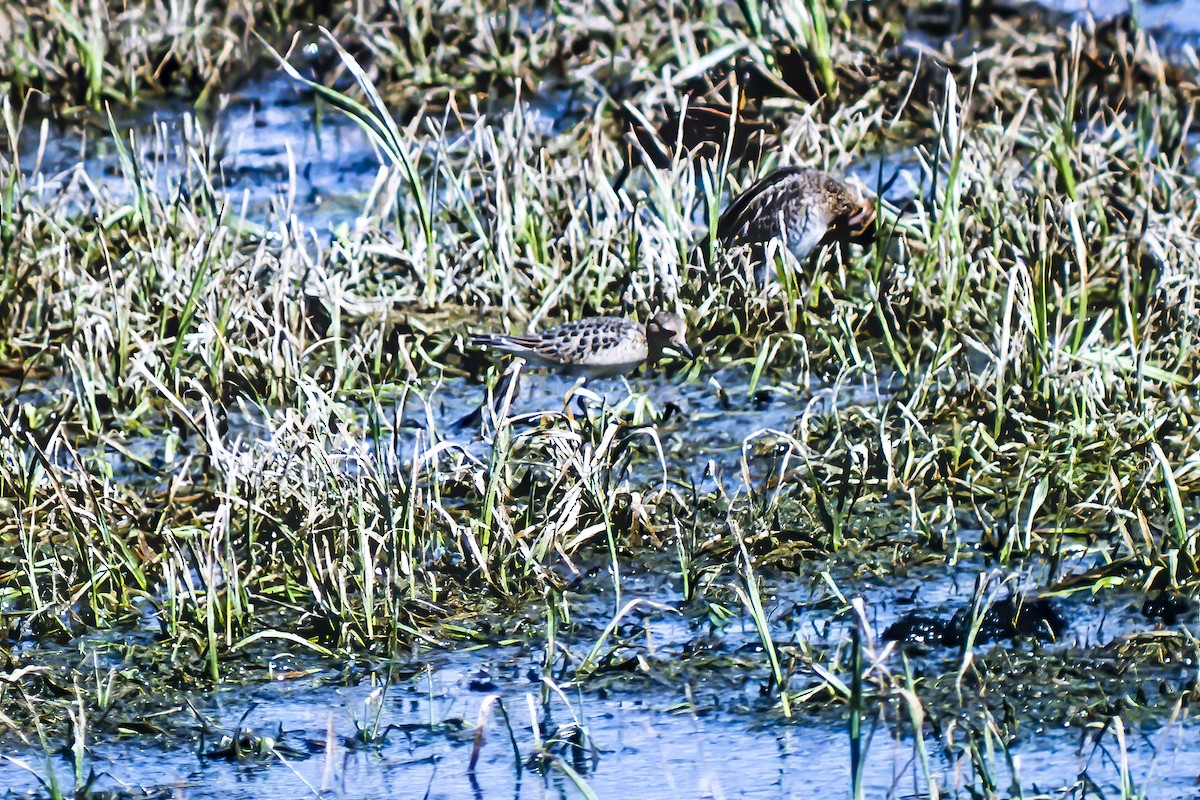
[230, 436]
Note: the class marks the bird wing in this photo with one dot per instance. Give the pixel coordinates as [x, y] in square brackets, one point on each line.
[745, 210]
[576, 341]
[535, 347]
[569, 343]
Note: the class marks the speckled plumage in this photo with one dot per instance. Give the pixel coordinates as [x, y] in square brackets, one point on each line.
[803, 208]
[595, 346]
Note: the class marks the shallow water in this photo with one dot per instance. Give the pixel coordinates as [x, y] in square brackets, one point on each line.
[661, 734]
[268, 137]
[642, 752]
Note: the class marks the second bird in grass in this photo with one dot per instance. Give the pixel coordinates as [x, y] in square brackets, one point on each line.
[595, 347]
[801, 208]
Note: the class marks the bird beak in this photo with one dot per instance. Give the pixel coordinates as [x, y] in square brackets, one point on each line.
[681, 346]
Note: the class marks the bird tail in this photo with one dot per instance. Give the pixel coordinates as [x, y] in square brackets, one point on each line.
[492, 341]
[501, 343]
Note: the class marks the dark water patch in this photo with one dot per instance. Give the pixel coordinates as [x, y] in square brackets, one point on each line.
[1168, 607]
[1010, 618]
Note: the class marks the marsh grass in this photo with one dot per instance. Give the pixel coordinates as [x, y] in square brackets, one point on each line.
[74, 53]
[238, 427]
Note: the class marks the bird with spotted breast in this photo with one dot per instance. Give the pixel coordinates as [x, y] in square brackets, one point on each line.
[595, 347]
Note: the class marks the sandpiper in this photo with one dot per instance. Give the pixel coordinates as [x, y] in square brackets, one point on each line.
[595, 347]
[801, 208]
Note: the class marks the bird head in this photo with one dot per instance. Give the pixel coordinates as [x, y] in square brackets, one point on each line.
[667, 330]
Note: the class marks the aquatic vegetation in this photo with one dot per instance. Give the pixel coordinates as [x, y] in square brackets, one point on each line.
[903, 489]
